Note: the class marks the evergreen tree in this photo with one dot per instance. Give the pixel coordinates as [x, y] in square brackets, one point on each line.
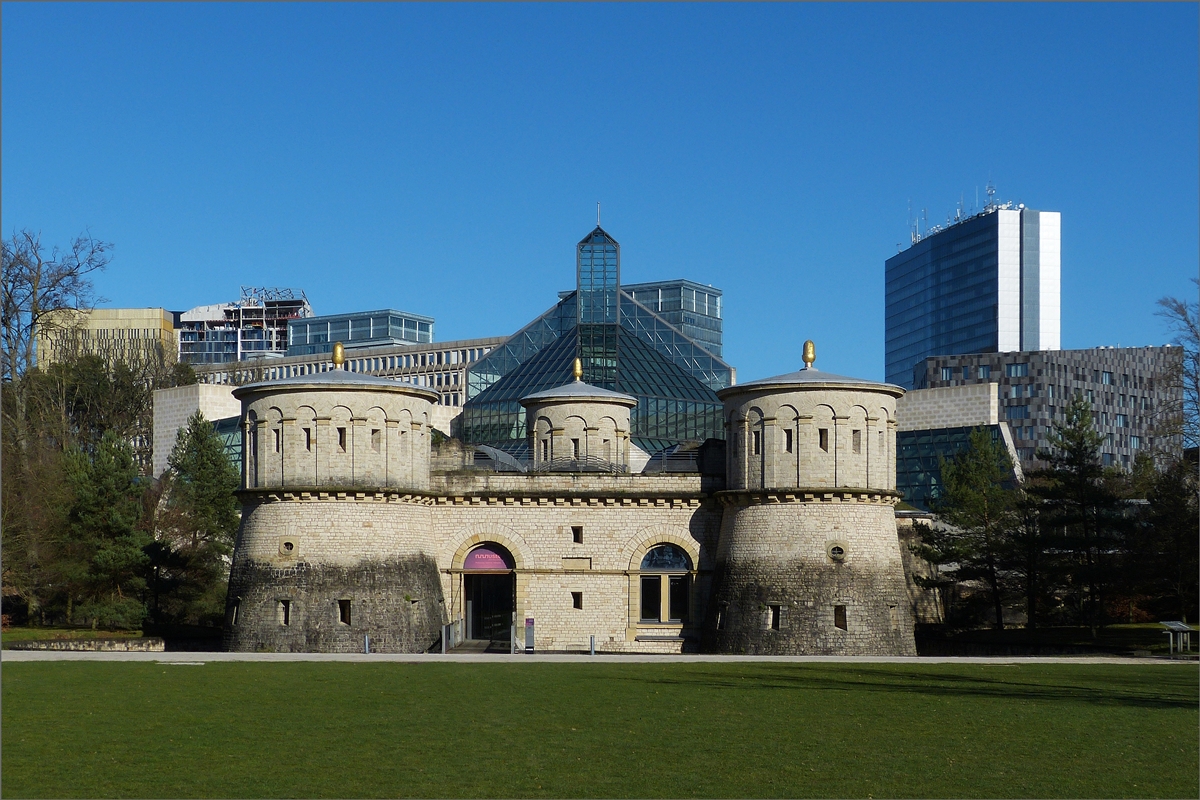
[1174, 551]
[198, 527]
[1079, 505]
[977, 508]
[105, 567]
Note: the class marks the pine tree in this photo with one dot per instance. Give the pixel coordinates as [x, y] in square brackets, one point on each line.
[1079, 504]
[977, 507]
[190, 556]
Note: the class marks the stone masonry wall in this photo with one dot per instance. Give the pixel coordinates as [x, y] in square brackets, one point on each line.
[779, 582]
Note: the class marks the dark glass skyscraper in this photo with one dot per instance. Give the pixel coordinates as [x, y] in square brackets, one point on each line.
[988, 284]
[623, 345]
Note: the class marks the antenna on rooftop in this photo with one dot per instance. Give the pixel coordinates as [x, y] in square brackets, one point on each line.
[597, 214]
[991, 193]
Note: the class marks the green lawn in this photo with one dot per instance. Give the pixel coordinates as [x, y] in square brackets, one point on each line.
[669, 729]
[44, 634]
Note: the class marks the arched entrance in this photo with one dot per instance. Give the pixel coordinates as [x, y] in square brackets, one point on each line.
[489, 593]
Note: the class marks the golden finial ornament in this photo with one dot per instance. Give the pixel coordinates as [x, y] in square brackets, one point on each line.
[339, 355]
[577, 370]
[810, 353]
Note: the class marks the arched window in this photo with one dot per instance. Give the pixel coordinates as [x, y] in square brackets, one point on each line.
[666, 590]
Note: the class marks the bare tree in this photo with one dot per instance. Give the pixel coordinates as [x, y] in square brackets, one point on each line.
[1183, 319]
[41, 289]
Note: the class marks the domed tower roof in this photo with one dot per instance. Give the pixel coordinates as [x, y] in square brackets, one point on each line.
[809, 377]
[578, 392]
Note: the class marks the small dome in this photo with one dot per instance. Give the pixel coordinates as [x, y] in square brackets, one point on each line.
[810, 378]
[577, 391]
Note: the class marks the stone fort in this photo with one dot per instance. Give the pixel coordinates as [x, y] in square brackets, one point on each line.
[358, 532]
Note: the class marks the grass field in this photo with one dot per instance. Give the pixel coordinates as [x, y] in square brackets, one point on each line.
[47, 634]
[668, 729]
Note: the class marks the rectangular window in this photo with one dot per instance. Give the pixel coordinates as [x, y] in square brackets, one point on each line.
[985, 372]
[1016, 390]
[1125, 379]
[285, 612]
[1016, 370]
[1017, 412]
[576, 599]
[344, 612]
[757, 442]
[947, 373]
[545, 449]
[308, 439]
[577, 534]
[575, 449]
[839, 617]
[1106, 378]
[1122, 421]
[1135, 442]
[787, 440]
[1090, 396]
[278, 438]
[856, 441]
[679, 597]
[376, 439]
[823, 439]
[773, 615]
[966, 373]
[1120, 401]
[651, 598]
[342, 439]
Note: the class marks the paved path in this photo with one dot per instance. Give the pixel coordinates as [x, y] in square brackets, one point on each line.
[556, 658]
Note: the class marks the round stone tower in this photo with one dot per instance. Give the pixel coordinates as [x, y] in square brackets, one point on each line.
[578, 426]
[809, 560]
[335, 547]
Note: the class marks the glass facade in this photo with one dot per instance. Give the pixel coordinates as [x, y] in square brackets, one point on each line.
[624, 346]
[919, 456]
[361, 329]
[942, 297]
[693, 308]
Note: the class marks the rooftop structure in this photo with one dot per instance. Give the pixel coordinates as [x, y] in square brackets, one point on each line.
[388, 326]
[255, 326]
[624, 346]
[988, 283]
[131, 335]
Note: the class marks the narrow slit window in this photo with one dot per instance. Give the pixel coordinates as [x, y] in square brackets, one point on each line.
[278, 438]
[575, 449]
[308, 439]
[376, 439]
[823, 439]
[856, 441]
[545, 449]
[787, 440]
[577, 600]
[774, 614]
[757, 443]
[839, 617]
[577, 534]
[344, 612]
[342, 439]
[237, 607]
[285, 612]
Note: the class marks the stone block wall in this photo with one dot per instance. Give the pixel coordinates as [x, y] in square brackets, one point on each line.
[810, 574]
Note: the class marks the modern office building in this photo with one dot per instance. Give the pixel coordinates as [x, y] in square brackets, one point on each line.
[933, 425]
[255, 326]
[174, 407]
[313, 335]
[1133, 395]
[985, 284]
[131, 335]
[441, 367]
[625, 346]
[693, 308]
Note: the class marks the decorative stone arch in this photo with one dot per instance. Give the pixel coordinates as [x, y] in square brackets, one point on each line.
[787, 446]
[646, 539]
[636, 547]
[466, 539]
[274, 447]
[859, 463]
[825, 459]
[574, 429]
[306, 446]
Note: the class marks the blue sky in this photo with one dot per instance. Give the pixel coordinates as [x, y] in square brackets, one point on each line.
[445, 159]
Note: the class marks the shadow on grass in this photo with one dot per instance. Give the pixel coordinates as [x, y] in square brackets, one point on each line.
[1110, 689]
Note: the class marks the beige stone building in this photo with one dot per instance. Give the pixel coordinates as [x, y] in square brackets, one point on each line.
[356, 534]
[133, 335]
